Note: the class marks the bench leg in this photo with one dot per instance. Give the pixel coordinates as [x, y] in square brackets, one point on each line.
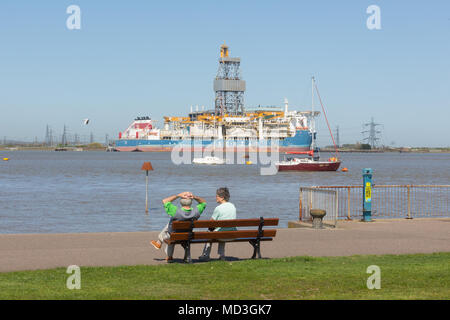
[187, 252]
[256, 249]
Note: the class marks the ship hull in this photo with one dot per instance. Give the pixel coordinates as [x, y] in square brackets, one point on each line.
[311, 166]
[300, 142]
[141, 148]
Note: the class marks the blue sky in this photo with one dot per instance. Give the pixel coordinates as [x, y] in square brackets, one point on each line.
[157, 58]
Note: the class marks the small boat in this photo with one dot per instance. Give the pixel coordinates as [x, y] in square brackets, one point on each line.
[307, 164]
[111, 149]
[208, 160]
[312, 162]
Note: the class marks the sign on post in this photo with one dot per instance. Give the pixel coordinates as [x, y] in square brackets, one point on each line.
[147, 166]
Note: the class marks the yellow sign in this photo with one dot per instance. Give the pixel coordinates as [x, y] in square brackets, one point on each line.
[368, 194]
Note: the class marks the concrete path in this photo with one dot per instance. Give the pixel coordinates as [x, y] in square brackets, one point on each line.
[44, 251]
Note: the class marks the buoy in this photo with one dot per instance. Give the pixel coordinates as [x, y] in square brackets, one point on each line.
[5, 159]
[248, 162]
[344, 169]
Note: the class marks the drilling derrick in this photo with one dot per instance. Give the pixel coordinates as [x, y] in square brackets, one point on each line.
[228, 85]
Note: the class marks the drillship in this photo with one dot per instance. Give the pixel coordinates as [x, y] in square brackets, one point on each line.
[229, 126]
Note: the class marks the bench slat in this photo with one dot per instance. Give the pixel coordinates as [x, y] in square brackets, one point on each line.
[180, 225]
[217, 240]
[222, 234]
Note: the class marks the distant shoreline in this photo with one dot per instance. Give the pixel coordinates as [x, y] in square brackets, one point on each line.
[94, 147]
[397, 150]
[342, 150]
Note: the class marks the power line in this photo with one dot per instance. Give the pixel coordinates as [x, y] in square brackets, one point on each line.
[372, 138]
[64, 137]
[337, 137]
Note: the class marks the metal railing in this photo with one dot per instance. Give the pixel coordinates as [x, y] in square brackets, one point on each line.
[394, 201]
[314, 198]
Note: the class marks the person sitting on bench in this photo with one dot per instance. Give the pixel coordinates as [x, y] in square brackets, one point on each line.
[224, 211]
[185, 213]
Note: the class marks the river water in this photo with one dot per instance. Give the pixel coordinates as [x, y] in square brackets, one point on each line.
[62, 192]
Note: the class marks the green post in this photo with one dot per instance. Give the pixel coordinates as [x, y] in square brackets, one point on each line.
[367, 194]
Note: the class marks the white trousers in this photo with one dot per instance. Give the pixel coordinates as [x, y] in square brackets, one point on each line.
[220, 249]
[163, 236]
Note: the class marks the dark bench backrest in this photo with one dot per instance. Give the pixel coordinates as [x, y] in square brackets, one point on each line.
[183, 225]
[180, 229]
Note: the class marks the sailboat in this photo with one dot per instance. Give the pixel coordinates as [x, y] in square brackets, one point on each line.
[308, 164]
[312, 162]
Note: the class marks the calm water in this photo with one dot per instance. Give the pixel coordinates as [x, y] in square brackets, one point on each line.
[59, 192]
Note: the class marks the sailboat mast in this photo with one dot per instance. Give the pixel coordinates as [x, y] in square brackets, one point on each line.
[313, 125]
[312, 94]
[325, 115]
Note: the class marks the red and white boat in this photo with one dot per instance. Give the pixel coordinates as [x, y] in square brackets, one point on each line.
[312, 162]
[307, 164]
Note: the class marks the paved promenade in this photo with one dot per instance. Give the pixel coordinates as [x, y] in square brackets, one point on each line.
[43, 251]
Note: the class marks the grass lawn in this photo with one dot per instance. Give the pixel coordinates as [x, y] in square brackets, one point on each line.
[420, 276]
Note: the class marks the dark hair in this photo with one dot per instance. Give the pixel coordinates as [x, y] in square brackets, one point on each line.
[223, 193]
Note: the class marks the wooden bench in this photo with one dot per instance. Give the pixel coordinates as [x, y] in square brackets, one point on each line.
[184, 233]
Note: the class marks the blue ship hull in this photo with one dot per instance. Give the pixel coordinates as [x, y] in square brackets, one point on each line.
[300, 142]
